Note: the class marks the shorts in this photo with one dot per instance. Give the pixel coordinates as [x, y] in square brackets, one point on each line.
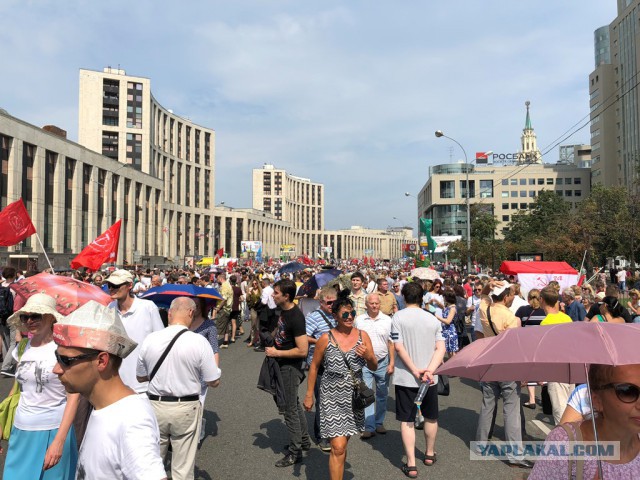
[235, 314]
[405, 408]
[223, 320]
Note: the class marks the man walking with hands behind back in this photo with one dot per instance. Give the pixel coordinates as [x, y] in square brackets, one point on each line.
[175, 381]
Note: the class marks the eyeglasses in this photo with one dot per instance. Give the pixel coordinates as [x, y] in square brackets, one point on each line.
[68, 361]
[111, 286]
[346, 315]
[626, 392]
[25, 317]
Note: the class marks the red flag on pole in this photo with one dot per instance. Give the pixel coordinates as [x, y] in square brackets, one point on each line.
[220, 253]
[102, 250]
[16, 224]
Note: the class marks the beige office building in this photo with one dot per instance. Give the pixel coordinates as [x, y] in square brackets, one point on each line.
[614, 99]
[503, 190]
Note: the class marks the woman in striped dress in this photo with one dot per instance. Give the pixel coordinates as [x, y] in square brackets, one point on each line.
[344, 348]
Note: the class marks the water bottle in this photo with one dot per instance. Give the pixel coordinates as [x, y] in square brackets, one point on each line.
[424, 386]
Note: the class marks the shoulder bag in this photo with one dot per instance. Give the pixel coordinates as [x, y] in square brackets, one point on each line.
[574, 437]
[443, 387]
[165, 353]
[362, 396]
[493, 328]
[10, 404]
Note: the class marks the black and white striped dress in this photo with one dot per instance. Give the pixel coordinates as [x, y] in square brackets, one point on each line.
[337, 416]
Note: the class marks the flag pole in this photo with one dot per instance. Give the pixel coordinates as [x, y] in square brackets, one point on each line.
[45, 253]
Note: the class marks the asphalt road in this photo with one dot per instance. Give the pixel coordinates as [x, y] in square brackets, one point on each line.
[245, 435]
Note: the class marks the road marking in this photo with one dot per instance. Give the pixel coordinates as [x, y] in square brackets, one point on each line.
[541, 426]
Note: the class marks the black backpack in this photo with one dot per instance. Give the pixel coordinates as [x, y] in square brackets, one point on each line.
[6, 304]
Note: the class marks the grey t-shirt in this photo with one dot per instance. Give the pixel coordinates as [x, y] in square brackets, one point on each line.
[418, 331]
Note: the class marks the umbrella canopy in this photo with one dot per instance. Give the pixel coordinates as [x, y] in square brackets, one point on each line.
[424, 273]
[165, 294]
[319, 280]
[68, 292]
[292, 267]
[553, 353]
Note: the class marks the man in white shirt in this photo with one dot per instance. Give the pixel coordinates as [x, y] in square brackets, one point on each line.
[139, 317]
[174, 384]
[473, 307]
[378, 326]
[121, 439]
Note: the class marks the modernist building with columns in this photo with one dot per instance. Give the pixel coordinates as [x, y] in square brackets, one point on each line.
[139, 162]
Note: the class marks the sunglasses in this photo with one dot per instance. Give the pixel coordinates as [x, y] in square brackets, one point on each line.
[626, 392]
[477, 289]
[346, 315]
[329, 302]
[68, 361]
[111, 286]
[25, 317]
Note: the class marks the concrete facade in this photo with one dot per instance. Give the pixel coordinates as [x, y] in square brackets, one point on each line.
[504, 190]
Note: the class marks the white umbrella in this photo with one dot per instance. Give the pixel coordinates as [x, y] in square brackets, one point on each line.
[424, 273]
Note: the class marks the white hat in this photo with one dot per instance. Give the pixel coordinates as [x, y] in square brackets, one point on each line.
[119, 277]
[498, 289]
[36, 303]
[600, 296]
[96, 327]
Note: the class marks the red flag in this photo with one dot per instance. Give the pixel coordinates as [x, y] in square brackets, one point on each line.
[16, 224]
[102, 250]
[216, 260]
[220, 253]
[270, 262]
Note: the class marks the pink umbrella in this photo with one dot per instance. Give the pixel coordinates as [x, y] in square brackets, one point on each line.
[68, 292]
[553, 353]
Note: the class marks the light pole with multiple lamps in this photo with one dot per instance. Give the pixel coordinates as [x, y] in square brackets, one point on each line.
[466, 161]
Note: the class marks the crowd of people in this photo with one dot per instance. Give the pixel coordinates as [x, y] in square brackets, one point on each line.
[107, 392]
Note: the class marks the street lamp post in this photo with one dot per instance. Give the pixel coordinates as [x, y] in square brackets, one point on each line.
[466, 161]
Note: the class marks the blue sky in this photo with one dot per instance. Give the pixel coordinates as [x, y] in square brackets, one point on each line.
[347, 93]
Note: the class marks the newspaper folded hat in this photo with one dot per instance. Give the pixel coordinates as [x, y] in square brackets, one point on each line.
[498, 289]
[96, 327]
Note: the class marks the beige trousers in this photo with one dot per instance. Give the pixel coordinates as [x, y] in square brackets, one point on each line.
[179, 424]
[559, 394]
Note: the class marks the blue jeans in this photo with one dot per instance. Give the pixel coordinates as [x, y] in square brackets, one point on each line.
[374, 413]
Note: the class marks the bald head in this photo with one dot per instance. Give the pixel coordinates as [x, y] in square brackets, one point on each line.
[181, 311]
[372, 303]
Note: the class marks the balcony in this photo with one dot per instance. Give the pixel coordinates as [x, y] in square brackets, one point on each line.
[110, 100]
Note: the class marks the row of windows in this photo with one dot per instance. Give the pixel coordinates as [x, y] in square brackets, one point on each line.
[534, 193]
[541, 181]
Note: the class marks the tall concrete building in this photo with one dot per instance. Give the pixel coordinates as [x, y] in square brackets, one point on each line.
[615, 99]
[292, 199]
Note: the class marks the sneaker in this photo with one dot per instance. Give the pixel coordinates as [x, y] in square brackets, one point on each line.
[7, 373]
[258, 349]
[324, 445]
[288, 460]
[224, 345]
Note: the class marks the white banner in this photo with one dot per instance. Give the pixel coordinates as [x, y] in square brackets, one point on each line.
[529, 281]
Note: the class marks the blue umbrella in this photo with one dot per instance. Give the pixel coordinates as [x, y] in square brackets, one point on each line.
[165, 294]
[291, 267]
[319, 280]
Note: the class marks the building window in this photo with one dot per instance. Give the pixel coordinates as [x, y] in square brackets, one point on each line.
[463, 188]
[523, 181]
[567, 181]
[532, 193]
[134, 150]
[486, 188]
[549, 181]
[532, 181]
[523, 206]
[523, 193]
[505, 206]
[505, 194]
[541, 181]
[558, 181]
[505, 181]
[514, 206]
[577, 181]
[134, 105]
[514, 194]
[514, 181]
[559, 193]
[568, 193]
[505, 218]
[5, 148]
[447, 189]
[110, 144]
[577, 193]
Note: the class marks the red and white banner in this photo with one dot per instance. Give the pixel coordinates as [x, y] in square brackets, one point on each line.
[16, 225]
[102, 250]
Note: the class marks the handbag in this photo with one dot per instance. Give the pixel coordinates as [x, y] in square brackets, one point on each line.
[443, 385]
[10, 404]
[362, 395]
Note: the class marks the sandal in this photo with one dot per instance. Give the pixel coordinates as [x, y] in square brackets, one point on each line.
[409, 471]
[530, 405]
[429, 458]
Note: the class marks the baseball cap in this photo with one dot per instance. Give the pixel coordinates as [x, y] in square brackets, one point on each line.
[119, 277]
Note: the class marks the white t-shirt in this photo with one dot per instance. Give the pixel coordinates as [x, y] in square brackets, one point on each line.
[122, 441]
[474, 302]
[433, 296]
[139, 321]
[42, 398]
[189, 362]
[418, 331]
[579, 400]
[517, 303]
[379, 331]
[622, 275]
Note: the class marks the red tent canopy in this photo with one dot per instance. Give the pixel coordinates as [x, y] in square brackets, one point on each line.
[515, 268]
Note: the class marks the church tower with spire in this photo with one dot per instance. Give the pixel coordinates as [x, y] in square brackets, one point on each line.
[529, 152]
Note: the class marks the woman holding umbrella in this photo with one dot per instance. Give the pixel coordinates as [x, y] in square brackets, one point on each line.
[616, 401]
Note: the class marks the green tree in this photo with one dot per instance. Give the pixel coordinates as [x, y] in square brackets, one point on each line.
[546, 216]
